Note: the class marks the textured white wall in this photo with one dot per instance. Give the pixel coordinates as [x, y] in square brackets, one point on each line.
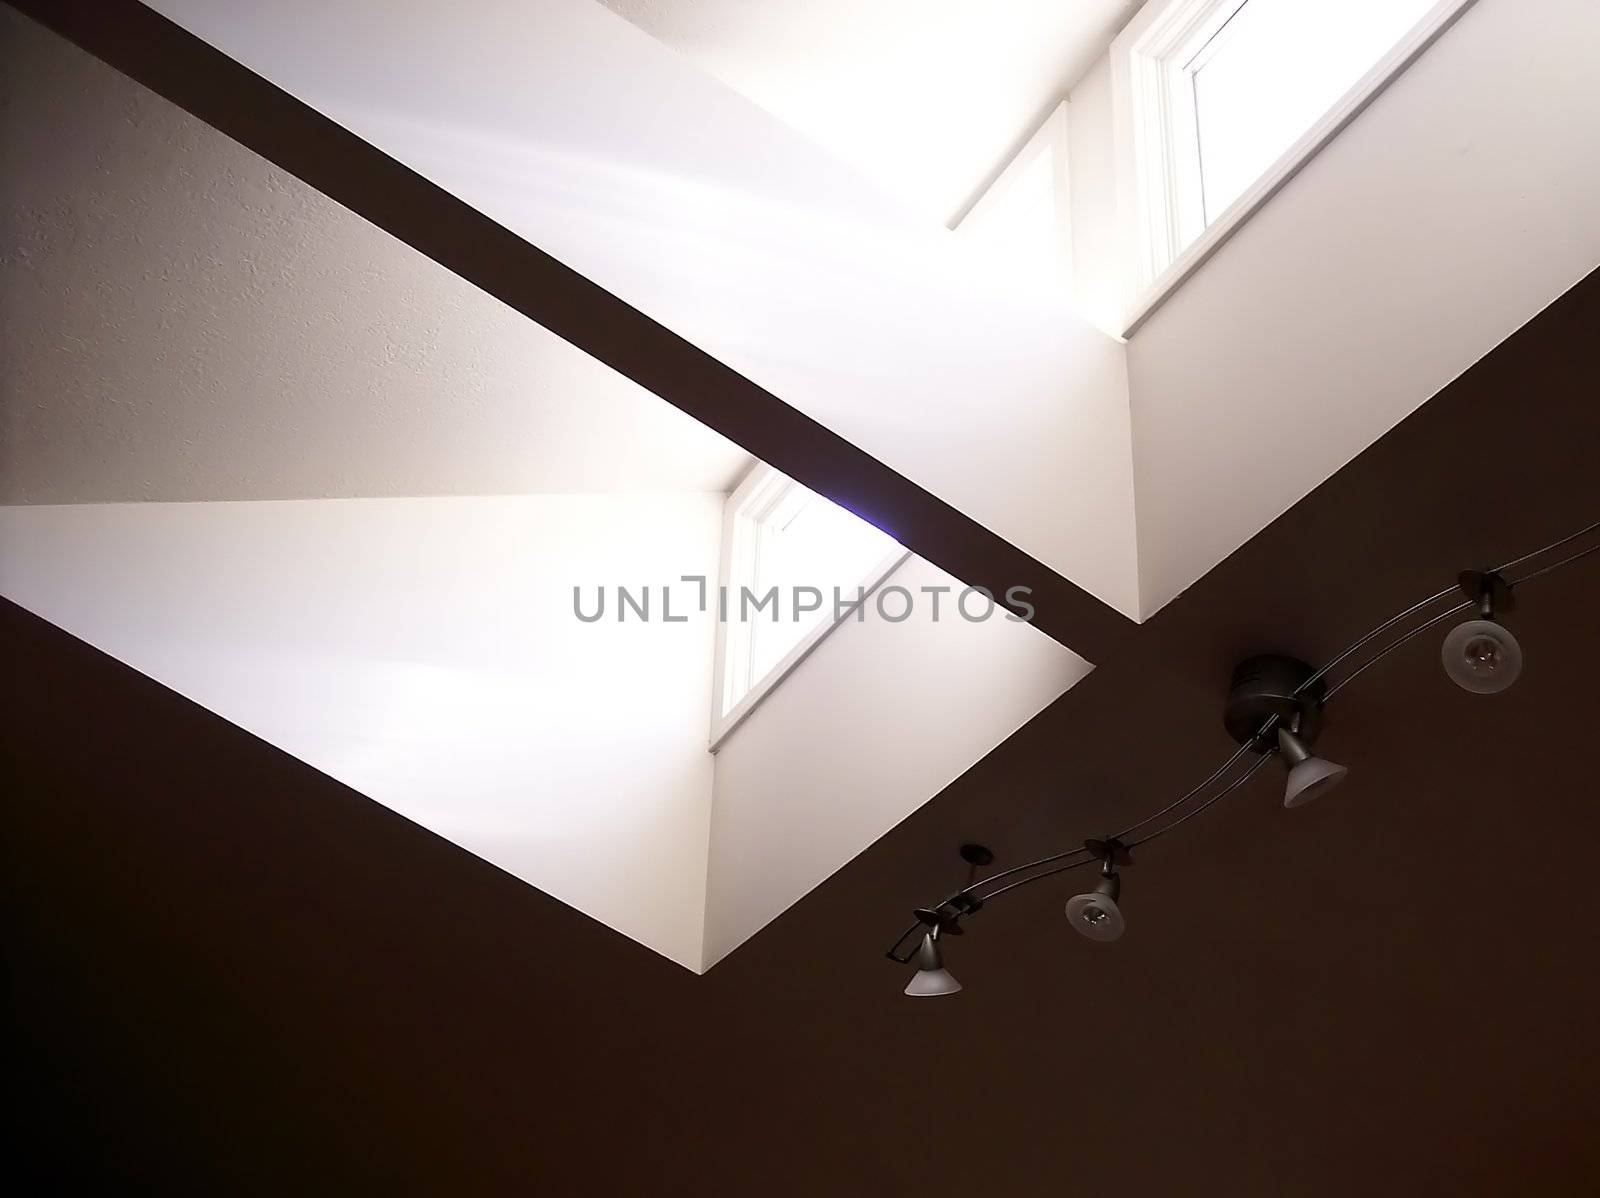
[878, 720]
[180, 320]
[424, 652]
[599, 145]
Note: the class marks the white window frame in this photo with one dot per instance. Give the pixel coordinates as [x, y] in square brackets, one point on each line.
[1162, 217]
[762, 493]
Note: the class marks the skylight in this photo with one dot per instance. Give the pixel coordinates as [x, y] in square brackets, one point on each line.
[794, 563]
[1273, 68]
[809, 542]
[1219, 102]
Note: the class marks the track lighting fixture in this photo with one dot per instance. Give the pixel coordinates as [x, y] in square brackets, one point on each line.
[1096, 914]
[1274, 709]
[932, 979]
[1480, 654]
[1308, 776]
[1276, 702]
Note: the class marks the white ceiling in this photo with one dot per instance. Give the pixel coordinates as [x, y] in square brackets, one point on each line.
[179, 320]
[929, 98]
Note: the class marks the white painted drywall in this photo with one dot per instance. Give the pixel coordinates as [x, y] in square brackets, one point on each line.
[594, 141]
[424, 652]
[1099, 271]
[875, 722]
[1023, 221]
[928, 98]
[181, 320]
[1461, 202]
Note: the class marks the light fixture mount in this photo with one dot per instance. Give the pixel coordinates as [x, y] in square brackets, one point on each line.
[946, 917]
[1489, 590]
[1110, 852]
[1268, 685]
[977, 855]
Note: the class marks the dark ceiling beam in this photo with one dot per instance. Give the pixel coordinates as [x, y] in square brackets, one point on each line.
[175, 64]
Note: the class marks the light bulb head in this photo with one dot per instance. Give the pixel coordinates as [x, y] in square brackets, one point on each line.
[1481, 656]
[1096, 914]
[1309, 776]
[932, 979]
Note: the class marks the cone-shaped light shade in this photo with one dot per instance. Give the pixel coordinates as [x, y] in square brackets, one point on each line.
[1481, 656]
[1096, 914]
[1308, 776]
[932, 978]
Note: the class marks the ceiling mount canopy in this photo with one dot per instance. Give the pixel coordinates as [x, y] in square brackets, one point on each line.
[1283, 696]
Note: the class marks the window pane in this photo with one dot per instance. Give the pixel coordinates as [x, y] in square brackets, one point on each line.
[1273, 70]
[809, 542]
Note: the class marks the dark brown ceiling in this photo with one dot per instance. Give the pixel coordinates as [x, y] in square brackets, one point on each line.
[230, 974]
